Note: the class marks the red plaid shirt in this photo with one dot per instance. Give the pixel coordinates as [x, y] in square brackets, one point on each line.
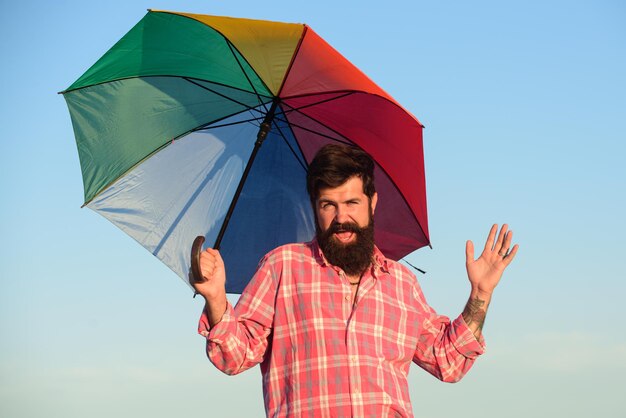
[322, 358]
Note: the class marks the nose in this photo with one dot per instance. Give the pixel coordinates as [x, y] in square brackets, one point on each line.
[342, 214]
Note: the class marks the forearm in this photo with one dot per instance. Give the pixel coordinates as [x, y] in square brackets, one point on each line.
[238, 337]
[215, 309]
[233, 345]
[475, 311]
[447, 349]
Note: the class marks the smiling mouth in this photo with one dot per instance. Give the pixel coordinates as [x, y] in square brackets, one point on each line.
[344, 236]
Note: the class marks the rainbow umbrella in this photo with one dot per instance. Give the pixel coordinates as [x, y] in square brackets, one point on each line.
[203, 124]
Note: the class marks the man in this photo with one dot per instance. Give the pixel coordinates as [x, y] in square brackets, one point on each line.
[333, 323]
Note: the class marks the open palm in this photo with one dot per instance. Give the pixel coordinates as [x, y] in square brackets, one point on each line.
[485, 272]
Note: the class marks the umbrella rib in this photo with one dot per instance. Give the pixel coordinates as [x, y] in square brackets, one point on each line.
[230, 46]
[223, 95]
[302, 164]
[292, 109]
[208, 124]
[347, 141]
[325, 126]
[293, 59]
[211, 126]
[416, 268]
[323, 101]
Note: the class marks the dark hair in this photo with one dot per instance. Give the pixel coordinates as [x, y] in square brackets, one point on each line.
[334, 164]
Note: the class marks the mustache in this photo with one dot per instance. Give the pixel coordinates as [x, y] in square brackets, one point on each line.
[344, 227]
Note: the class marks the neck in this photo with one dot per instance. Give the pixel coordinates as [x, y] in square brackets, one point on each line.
[354, 278]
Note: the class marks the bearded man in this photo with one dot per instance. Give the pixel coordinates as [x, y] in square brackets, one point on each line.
[333, 323]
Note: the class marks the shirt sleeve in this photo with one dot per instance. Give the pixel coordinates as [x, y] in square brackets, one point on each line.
[446, 349]
[239, 341]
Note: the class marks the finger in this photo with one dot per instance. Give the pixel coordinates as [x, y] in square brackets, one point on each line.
[491, 238]
[216, 255]
[207, 272]
[207, 264]
[469, 252]
[500, 245]
[207, 259]
[210, 256]
[500, 241]
[507, 242]
[510, 256]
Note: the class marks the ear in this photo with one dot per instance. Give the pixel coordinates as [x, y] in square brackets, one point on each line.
[373, 202]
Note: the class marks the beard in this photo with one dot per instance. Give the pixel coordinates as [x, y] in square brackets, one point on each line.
[354, 257]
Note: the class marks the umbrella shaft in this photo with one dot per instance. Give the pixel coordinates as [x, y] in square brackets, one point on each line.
[261, 135]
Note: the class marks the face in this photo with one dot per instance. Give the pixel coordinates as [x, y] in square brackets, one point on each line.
[345, 226]
[344, 204]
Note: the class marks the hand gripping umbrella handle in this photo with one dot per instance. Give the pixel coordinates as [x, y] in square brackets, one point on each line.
[196, 249]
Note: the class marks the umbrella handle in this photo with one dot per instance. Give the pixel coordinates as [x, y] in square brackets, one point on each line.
[196, 250]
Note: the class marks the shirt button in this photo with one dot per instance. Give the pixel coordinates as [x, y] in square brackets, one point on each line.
[347, 297]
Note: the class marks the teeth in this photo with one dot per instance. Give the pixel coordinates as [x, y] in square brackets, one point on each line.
[344, 236]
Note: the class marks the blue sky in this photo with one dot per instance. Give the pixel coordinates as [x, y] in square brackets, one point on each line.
[524, 105]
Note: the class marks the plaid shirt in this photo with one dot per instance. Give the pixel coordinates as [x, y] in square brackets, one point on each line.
[319, 356]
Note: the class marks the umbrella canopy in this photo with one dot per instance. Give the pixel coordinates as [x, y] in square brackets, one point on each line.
[195, 124]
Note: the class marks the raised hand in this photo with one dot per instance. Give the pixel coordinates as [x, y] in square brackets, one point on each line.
[485, 272]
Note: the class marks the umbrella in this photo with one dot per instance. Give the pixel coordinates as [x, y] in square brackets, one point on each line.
[195, 124]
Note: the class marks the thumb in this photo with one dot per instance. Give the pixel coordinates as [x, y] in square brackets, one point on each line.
[469, 252]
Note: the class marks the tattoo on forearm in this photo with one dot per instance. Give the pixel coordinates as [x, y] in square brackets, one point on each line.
[475, 312]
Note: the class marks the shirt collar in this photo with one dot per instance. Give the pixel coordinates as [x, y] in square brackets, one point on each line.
[380, 261]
